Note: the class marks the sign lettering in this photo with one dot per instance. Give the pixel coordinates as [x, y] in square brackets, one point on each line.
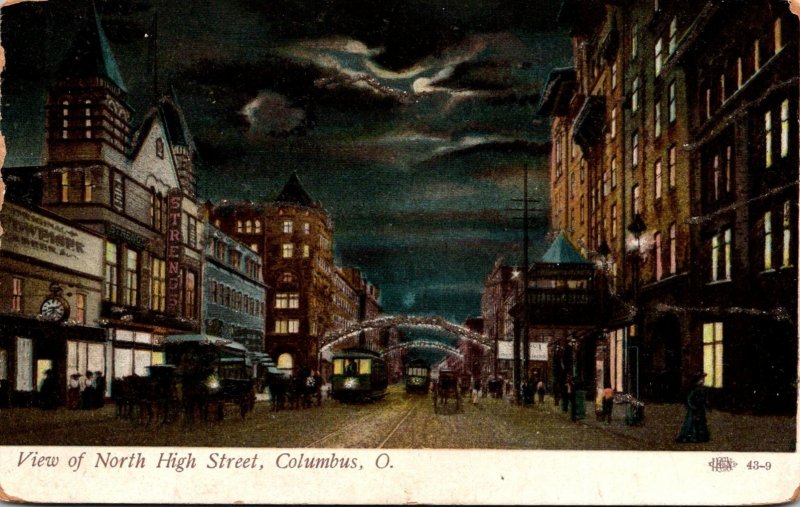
[174, 251]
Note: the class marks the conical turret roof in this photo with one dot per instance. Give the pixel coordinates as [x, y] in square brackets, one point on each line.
[91, 54]
[562, 251]
[293, 192]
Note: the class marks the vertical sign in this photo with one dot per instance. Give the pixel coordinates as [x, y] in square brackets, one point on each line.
[174, 251]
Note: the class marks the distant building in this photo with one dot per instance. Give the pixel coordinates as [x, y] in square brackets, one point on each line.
[294, 237]
[234, 294]
[501, 288]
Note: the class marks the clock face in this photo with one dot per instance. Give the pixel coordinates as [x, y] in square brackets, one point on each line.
[55, 309]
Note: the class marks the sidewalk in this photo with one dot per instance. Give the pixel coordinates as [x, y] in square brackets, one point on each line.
[729, 432]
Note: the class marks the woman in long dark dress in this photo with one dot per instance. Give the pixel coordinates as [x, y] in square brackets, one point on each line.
[695, 427]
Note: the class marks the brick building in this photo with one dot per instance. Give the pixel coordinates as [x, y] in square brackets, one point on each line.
[501, 288]
[654, 191]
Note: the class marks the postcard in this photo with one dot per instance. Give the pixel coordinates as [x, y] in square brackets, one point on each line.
[346, 252]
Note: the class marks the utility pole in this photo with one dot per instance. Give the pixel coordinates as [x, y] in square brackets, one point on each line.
[521, 358]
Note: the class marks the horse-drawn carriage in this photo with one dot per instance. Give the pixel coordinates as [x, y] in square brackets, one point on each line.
[202, 375]
[446, 388]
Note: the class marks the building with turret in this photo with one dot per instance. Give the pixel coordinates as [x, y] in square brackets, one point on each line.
[134, 186]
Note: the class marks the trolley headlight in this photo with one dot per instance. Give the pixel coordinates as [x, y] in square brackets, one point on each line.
[351, 383]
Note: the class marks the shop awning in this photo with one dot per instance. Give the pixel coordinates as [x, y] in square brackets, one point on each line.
[32, 327]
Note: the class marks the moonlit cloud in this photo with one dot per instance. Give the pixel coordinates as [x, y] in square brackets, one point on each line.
[270, 113]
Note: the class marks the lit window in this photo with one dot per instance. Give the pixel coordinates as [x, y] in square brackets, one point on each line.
[80, 308]
[288, 226]
[658, 50]
[727, 238]
[672, 160]
[787, 234]
[613, 123]
[757, 54]
[606, 187]
[778, 35]
[635, 95]
[306, 228]
[657, 180]
[87, 122]
[248, 227]
[768, 139]
[673, 35]
[131, 292]
[239, 227]
[673, 249]
[739, 72]
[191, 295]
[767, 240]
[291, 326]
[64, 119]
[728, 163]
[614, 220]
[287, 250]
[64, 184]
[613, 172]
[637, 208]
[721, 256]
[634, 41]
[110, 280]
[254, 247]
[635, 149]
[712, 353]
[88, 186]
[785, 128]
[306, 251]
[657, 119]
[257, 227]
[613, 75]
[158, 284]
[658, 253]
[673, 108]
[16, 294]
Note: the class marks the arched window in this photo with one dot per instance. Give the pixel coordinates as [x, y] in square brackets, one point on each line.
[285, 361]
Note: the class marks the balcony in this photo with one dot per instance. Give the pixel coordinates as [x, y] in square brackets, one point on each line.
[590, 121]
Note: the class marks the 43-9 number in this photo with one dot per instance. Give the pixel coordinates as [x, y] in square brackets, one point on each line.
[757, 465]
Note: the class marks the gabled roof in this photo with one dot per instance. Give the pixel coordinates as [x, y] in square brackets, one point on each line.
[293, 192]
[562, 251]
[91, 54]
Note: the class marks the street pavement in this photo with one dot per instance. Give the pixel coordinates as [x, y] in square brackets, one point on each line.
[403, 421]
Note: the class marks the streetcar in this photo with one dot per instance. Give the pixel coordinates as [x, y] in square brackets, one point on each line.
[418, 376]
[358, 375]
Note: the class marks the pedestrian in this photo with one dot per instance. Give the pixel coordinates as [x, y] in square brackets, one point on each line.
[74, 392]
[540, 390]
[48, 391]
[87, 391]
[566, 395]
[608, 403]
[695, 427]
[99, 389]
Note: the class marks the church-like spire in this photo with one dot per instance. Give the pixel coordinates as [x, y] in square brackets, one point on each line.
[91, 54]
[293, 192]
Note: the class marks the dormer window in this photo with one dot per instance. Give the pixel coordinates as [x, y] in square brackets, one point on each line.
[160, 148]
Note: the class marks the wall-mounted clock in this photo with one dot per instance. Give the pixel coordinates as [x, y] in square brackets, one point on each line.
[55, 308]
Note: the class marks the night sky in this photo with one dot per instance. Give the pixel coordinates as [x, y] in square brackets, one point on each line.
[410, 120]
